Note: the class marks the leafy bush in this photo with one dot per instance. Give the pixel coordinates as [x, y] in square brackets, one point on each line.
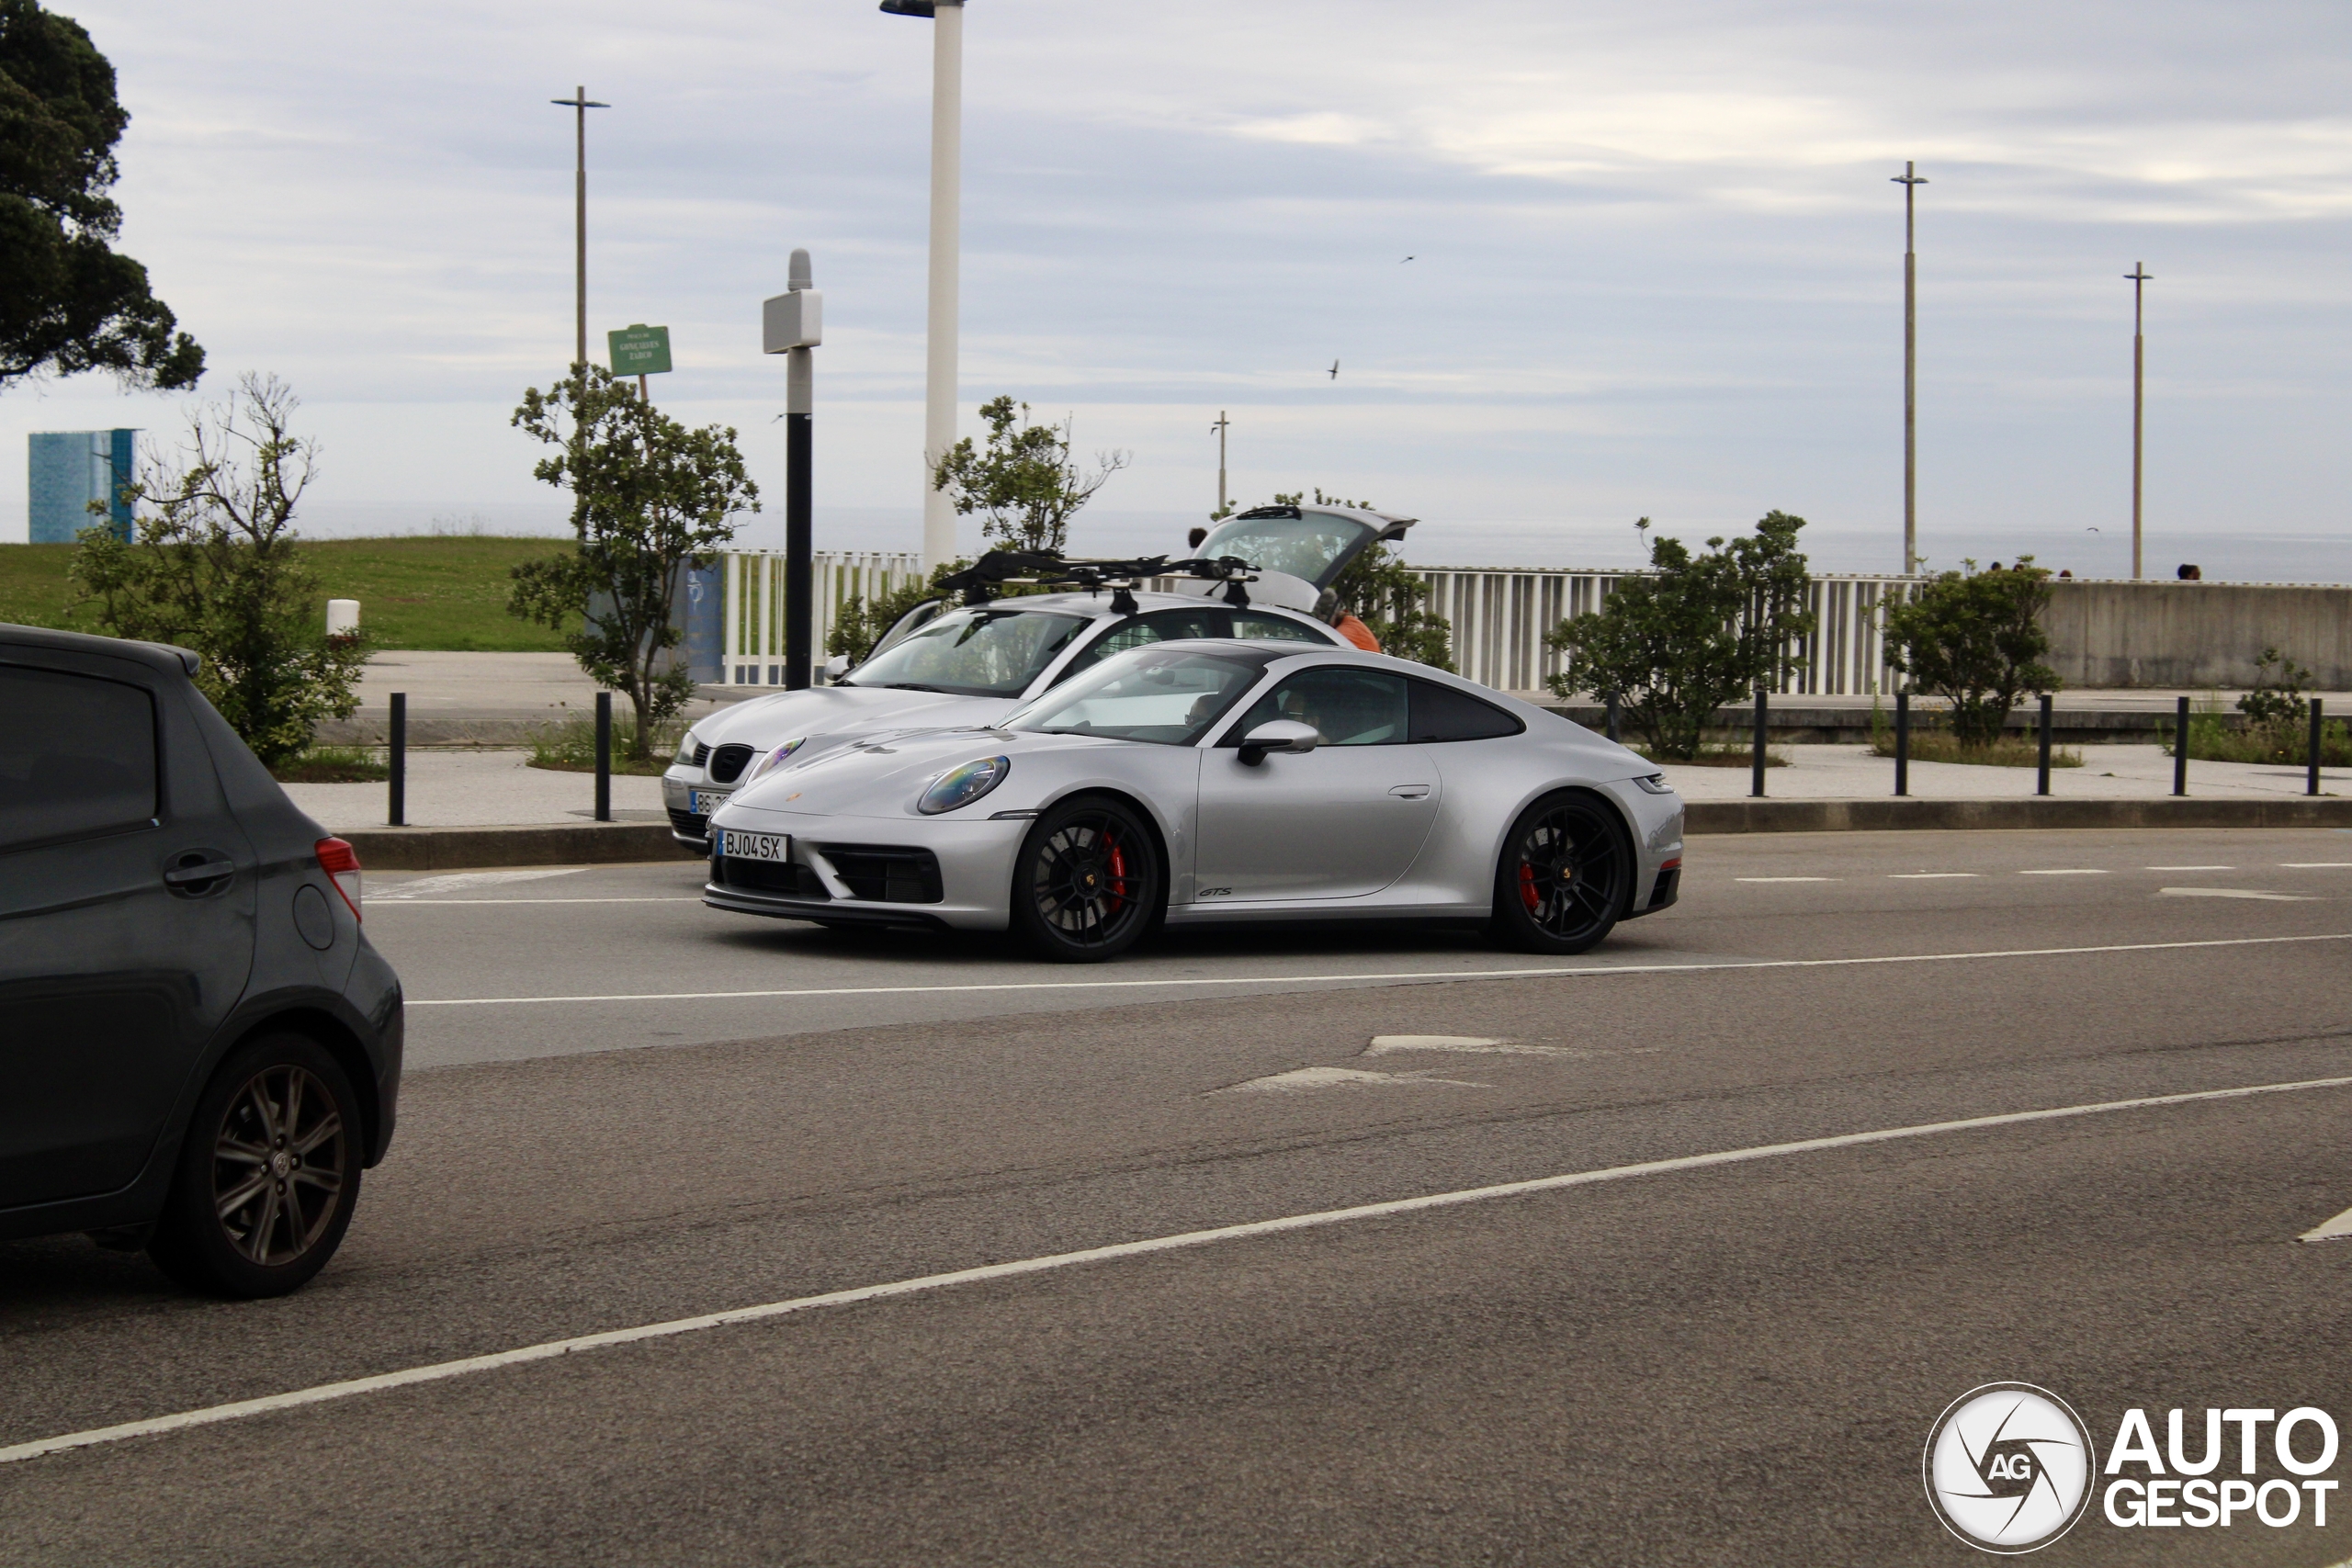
[569, 746]
[1024, 485]
[1694, 633]
[335, 764]
[1973, 639]
[213, 565]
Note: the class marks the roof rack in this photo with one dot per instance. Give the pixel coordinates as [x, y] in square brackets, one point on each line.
[998, 567]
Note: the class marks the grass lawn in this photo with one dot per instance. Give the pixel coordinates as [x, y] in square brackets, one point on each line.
[446, 594]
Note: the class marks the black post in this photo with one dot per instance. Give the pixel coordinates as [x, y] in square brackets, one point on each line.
[1756, 781]
[398, 815]
[2310, 772]
[603, 756]
[1902, 743]
[799, 576]
[1615, 730]
[2180, 749]
[2041, 785]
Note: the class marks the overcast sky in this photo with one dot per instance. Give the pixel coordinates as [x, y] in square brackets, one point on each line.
[1658, 262]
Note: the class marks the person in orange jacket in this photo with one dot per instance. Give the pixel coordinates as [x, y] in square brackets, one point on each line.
[1356, 632]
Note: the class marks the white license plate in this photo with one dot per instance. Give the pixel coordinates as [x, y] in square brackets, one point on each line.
[736, 844]
[703, 802]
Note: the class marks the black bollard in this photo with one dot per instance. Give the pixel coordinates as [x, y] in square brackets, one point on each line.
[2311, 770]
[603, 756]
[1902, 743]
[2041, 785]
[1755, 783]
[2180, 749]
[1616, 731]
[398, 814]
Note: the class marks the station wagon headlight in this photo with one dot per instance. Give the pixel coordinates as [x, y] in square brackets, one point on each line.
[775, 758]
[963, 786]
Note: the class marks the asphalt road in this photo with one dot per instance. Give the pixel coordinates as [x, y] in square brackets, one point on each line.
[1729, 1363]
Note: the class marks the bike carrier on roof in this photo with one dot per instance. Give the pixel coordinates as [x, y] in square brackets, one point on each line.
[998, 567]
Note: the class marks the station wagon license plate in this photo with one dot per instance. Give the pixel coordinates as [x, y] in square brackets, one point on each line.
[703, 802]
[736, 844]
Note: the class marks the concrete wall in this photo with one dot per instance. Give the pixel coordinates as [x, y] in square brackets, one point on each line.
[2196, 633]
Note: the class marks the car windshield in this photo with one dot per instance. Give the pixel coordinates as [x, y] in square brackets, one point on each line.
[1167, 696]
[984, 652]
[1311, 545]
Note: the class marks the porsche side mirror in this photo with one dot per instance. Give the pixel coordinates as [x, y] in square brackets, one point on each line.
[1278, 735]
[836, 668]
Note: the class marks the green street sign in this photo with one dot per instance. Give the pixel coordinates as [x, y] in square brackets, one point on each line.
[640, 350]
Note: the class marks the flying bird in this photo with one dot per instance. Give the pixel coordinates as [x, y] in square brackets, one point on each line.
[1335, 370]
[1401, 263]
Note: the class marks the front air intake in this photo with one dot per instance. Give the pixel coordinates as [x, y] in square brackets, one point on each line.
[727, 763]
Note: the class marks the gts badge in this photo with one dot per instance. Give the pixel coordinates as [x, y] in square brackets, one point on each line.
[1216, 893]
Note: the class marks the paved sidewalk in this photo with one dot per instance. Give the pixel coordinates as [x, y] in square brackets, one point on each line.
[478, 789]
[2109, 773]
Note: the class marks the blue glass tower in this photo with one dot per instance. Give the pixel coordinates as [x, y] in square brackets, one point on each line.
[69, 469]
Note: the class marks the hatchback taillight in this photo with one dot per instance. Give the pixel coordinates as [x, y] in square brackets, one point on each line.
[340, 862]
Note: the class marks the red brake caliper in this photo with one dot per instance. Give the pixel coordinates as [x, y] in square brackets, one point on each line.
[1114, 901]
[1526, 893]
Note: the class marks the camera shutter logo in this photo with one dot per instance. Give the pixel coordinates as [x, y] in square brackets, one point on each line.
[2008, 1467]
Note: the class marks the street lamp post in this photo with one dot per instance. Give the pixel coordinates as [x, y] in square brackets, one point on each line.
[1221, 425]
[947, 217]
[579, 103]
[1910, 180]
[793, 323]
[2139, 278]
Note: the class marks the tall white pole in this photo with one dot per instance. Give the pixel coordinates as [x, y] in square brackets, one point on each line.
[946, 218]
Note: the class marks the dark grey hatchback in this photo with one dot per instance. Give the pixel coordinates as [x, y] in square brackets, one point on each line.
[199, 1050]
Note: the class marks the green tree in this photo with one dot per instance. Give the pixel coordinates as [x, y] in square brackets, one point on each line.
[1694, 632]
[648, 499]
[214, 564]
[68, 302]
[1976, 638]
[1025, 485]
[1390, 598]
[859, 623]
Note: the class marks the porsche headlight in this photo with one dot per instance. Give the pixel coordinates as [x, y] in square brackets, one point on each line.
[963, 786]
[777, 758]
[1654, 783]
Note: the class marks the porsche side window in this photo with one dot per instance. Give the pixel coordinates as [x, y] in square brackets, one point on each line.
[77, 756]
[1347, 708]
[1161, 625]
[1441, 713]
[1167, 697]
[1273, 628]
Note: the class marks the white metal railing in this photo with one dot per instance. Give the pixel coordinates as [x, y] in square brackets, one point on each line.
[752, 629]
[1499, 616]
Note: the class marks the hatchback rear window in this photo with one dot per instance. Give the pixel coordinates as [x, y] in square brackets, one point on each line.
[77, 756]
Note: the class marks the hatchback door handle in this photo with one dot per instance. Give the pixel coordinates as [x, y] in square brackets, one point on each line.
[197, 878]
[1410, 792]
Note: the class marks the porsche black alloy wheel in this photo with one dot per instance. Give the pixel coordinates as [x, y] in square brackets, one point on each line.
[1088, 884]
[268, 1173]
[1566, 874]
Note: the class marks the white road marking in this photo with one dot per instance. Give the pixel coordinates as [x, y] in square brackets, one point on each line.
[403, 891]
[1382, 1044]
[549, 1349]
[1928, 875]
[1386, 977]
[2335, 1229]
[1788, 879]
[2189, 868]
[2068, 873]
[2315, 865]
[2231, 893]
[1341, 1078]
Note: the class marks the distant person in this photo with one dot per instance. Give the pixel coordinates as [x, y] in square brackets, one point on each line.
[1356, 632]
[2068, 572]
[1195, 538]
[2191, 573]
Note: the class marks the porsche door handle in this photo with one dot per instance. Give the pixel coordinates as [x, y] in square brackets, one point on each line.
[1410, 792]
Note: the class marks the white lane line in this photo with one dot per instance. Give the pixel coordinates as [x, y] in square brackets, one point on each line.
[1476, 1045]
[1392, 977]
[506, 901]
[2188, 868]
[402, 891]
[2335, 1229]
[1788, 879]
[1928, 875]
[2231, 893]
[2315, 865]
[1308, 1078]
[549, 1349]
[2068, 873]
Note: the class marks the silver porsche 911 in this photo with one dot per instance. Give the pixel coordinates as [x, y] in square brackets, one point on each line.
[1215, 781]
